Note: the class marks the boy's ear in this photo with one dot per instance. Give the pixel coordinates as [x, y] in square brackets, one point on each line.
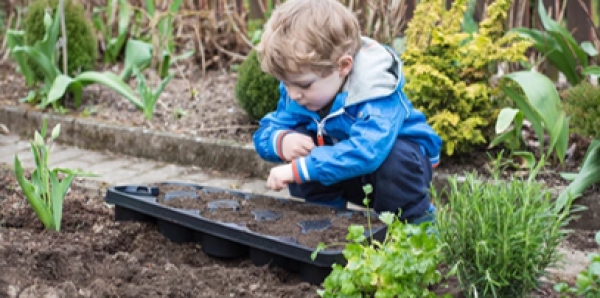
[345, 64]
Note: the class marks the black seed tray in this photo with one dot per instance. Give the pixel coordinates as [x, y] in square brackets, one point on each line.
[225, 240]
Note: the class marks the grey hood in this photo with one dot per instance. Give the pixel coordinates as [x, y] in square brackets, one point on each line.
[376, 72]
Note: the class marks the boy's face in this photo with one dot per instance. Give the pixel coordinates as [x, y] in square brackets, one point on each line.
[314, 92]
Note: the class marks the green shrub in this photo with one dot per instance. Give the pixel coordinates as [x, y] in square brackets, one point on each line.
[82, 47]
[256, 91]
[582, 105]
[448, 71]
[499, 237]
[403, 264]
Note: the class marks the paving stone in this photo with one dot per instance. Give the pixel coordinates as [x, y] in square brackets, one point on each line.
[254, 186]
[118, 177]
[110, 165]
[8, 139]
[59, 154]
[224, 183]
[7, 152]
[72, 164]
[93, 157]
[164, 173]
[144, 166]
[198, 177]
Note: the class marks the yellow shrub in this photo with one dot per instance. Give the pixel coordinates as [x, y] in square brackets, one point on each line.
[448, 70]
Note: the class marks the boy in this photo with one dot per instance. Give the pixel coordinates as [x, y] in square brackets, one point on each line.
[342, 120]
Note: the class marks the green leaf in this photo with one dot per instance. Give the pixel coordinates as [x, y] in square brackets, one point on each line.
[597, 237]
[593, 70]
[138, 54]
[356, 233]
[546, 44]
[527, 159]
[56, 131]
[59, 191]
[387, 217]
[588, 175]
[541, 104]
[568, 43]
[35, 200]
[527, 110]
[568, 176]
[589, 48]
[505, 118]
[320, 247]
[16, 38]
[47, 66]
[107, 79]
[58, 89]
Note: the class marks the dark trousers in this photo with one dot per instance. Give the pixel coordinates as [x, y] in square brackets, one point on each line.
[401, 182]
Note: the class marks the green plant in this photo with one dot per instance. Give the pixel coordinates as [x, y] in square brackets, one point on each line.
[537, 100]
[403, 265]
[582, 104]
[149, 97]
[46, 191]
[588, 175]
[588, 280]
[256, 91]
[81, 45]
[499, 237]
[114, 44]
[138, 54]
[448, 70]
[560, 47]
[56, 85]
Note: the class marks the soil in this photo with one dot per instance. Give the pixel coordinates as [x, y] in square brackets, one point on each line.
[305, 224]
[95, 256]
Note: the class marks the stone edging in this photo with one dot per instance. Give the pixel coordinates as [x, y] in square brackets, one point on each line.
[220, 155]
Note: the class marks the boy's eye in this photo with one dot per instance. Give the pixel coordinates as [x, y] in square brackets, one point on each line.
[306, 86]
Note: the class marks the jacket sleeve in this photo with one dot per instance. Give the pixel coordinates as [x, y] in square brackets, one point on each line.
[372, 137]
[272, 128]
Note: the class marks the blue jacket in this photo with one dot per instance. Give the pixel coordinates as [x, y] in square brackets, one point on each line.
[365, 120]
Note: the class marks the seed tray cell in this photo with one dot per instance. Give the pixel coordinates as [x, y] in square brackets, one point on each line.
[229, 240]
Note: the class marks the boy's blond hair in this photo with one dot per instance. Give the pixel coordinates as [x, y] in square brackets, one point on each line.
[308, 35]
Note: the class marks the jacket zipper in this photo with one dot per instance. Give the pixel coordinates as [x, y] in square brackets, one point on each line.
[321, 126]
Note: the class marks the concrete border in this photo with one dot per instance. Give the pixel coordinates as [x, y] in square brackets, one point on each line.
[220, 155]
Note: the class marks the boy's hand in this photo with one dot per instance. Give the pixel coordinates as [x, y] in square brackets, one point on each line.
[280, 176]
[295, 145]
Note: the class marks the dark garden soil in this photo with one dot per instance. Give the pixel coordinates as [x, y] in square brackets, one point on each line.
[305, 224]
[94, 256]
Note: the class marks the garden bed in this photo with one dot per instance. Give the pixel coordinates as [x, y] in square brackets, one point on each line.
[95, 256]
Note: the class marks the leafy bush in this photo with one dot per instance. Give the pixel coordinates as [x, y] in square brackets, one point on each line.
[582, 104]
[256, 91]
[448, 70]
[499, 237]
[404, 262]
[82, 47]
